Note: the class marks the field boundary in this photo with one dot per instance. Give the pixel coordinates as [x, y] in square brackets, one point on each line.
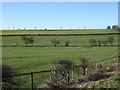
[73, 67]
[51, 70]
[59, 34]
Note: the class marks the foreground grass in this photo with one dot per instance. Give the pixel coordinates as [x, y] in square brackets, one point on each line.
[39, 58]
[112, 82]
[42, 58]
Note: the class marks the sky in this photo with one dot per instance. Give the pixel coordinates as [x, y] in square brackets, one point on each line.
[53, 15]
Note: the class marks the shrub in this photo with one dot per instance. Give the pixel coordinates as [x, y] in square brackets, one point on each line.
[8, 80]
[61, 76]
[97, 76]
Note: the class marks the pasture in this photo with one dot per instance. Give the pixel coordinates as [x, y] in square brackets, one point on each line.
[66, 31]
[42, 54]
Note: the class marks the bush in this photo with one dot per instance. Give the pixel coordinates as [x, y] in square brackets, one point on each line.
[97, 76]
[61, 75]
[7, 77]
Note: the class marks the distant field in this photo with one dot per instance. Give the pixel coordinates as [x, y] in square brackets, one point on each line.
[73, 31]
[45, 41]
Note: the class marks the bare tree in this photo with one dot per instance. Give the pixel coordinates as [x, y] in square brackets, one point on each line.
[28, 40]
[99, 42]
[61, 28]
[18, 28]
[67, 42]
[55, 42]
[110, 40]
[92, 42]
[104, 42]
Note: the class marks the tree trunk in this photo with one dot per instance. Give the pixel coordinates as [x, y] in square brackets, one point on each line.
[66, 44]
[26, 43]
[111, 44]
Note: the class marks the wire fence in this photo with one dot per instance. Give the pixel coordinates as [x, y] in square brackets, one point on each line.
[34, 79]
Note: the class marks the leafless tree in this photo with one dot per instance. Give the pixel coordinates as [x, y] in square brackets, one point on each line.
[55, 42]
[110, 40]
[67, 42]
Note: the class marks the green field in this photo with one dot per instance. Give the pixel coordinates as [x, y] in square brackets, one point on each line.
[66, 31]
[43, 53]
[46, 40]
[39, 58]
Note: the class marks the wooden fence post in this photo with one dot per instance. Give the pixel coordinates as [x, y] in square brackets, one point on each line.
[54, 72]
[51, 72]
[86, 71]
[109, 62]
[96, 66]
[72, 73]
[32, 80]
[114, 60]
[20, 81]
[102, 63]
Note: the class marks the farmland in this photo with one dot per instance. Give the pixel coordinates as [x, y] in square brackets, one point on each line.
[42, 54]
[66, 31]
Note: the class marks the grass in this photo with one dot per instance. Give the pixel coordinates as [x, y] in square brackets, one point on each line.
[46, 40]
[39, 58]
[111, 82]
[66, 31]
[42, 55]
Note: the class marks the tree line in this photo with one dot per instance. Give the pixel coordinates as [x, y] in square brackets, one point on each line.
[94, 42]
[113, 27]
[29, 41]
